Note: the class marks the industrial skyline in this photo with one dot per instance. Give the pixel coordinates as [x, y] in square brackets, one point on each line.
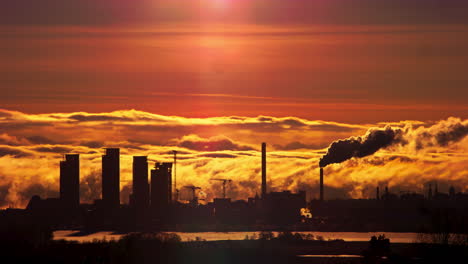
[156, 191]
[405, 156]
[148, 118]
[154, 206]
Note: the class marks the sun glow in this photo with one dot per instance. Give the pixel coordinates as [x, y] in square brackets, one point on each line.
[218, 5]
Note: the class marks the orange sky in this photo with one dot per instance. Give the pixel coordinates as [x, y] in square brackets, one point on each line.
[318, 60]
[204, 76]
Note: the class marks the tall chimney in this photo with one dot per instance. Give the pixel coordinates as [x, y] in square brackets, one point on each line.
[264, 185]
[377, 193]
[321, 184]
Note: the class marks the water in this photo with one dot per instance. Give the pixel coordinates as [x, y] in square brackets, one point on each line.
[329, 256]
[71, 235]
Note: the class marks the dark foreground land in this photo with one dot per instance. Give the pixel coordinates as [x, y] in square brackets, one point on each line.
[37, 246]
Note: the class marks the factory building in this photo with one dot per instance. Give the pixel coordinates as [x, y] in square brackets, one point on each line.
[70, 181]
[284, 207]
[111, 178]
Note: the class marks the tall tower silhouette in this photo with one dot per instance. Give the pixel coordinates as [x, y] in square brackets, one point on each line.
[321, 184]
[111, 178]
[140, 183]
[264, 174]
[161, 186]
[70, 181]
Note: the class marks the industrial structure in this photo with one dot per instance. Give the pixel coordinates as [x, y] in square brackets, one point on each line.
[153, 206]
[321, 184]
[224, 182]
[264, 171]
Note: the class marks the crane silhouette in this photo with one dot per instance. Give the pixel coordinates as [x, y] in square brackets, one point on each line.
[225, 181]
[194, 196]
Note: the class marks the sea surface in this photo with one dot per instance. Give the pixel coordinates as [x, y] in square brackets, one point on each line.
[72, 235]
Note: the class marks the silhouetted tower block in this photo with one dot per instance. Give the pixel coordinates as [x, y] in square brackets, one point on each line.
[264, 174]
[161, 187]
[70, 181]
[377, 193]
[321, 184]
[140, 197]
[436, 189]
[111, 178]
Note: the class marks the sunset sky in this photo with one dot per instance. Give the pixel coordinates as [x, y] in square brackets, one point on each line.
[215, 78]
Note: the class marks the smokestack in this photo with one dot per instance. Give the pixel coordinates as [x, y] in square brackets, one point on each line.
[264, 186]
[377, 193]
[321, 184]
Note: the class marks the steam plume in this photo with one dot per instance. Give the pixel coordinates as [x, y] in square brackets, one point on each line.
[442, 134]
[359, 147]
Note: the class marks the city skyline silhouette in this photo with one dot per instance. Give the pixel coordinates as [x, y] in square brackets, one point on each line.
[234, 131]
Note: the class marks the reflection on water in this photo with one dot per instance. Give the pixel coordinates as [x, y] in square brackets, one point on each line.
[329, 256]
[71, 235]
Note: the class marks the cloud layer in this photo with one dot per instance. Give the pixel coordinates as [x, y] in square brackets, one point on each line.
[406, 155]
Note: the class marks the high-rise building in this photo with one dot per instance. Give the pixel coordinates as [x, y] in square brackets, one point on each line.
[70, 181]
[161, 186]
[264, 176]
[140, 197]
[111, 178]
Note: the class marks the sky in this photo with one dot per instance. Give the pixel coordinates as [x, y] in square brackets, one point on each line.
[225, 75]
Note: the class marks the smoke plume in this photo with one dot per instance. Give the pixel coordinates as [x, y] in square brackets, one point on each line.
[359, 147]
[441, 134]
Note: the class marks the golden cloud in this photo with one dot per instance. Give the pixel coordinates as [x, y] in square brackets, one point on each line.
[31, 146]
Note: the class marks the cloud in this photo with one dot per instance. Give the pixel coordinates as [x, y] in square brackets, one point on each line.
[36, 139]
[14, 152]
[298, 145]
[217, 143]
[440, 134]
[92, 144]
[6, 139]
[90, 187]
[217, 155]
[359, 147]
[53, 149]
[3, 194]
[93, 118]
[228, 147]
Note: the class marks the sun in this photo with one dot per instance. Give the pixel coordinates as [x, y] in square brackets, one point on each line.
[219, 4]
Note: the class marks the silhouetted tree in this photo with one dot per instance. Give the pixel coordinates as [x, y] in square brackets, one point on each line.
[378, 251]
